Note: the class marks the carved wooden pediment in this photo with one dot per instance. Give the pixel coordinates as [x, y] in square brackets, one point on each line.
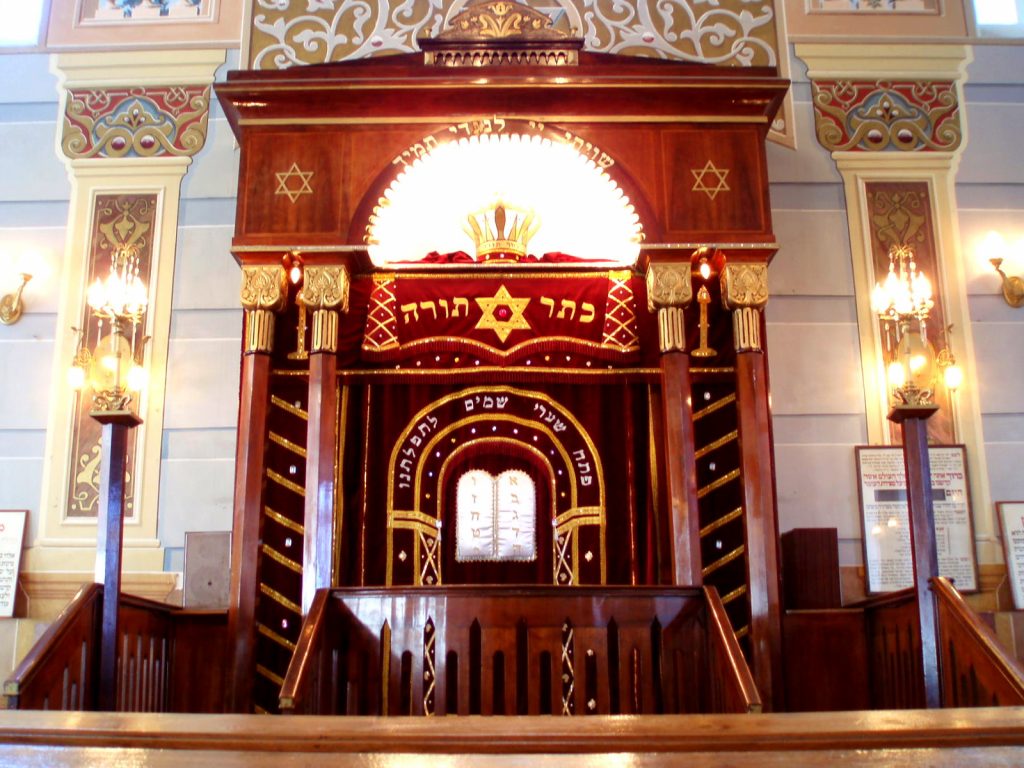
[501, 33]
[500, 20]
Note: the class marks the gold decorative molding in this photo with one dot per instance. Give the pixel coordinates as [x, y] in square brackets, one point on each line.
[500, 20]
[669, 285]
[325, 291]
[710, 180]
[744, 285]
[671, 330]
[746, 329]
[264, 287]
[325, 287]
[264, 292]
[325, 331]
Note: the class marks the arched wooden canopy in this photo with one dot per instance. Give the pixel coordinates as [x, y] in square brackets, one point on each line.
[685, 142]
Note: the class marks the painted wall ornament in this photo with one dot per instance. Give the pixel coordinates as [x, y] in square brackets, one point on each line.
[135, 122]
[285, 33]
[887, 115]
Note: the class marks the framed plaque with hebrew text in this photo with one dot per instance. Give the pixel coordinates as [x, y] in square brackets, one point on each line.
[885, 520]
[1011, 522]
[12, 534]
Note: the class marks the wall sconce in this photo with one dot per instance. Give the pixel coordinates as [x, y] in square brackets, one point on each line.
[995, 249]
[1013, 287]
[10, 305]
[114, 369]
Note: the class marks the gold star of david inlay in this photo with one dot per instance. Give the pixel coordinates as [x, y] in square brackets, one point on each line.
[294, 182]
[710, 180]
[503, 314]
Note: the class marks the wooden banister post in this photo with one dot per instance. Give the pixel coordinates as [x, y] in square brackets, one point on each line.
[117, 426]
[669, 291]
[264, 292]
[925, 559]
[325, 294]
[745, 292]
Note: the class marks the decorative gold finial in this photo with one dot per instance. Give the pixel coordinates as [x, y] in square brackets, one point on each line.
[497, 239]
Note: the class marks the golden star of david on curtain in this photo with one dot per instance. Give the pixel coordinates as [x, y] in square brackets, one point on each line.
[710, 180]
[294, 191]
[503, 314]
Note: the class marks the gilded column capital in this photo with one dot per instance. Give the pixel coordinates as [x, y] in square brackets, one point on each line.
[264, 287]
[668, 285]
[744, 284]
[325, 287]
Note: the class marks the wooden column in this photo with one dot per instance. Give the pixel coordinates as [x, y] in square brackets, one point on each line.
[925, 558]
[117, 426]
[745, 292]
[669, 291]
[264, 292]
[325, 294]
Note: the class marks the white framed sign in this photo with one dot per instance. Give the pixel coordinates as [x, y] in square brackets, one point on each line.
[12, 534]
[885, 520]
[1011, 522]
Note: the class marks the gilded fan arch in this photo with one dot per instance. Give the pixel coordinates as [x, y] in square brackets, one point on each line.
[606, 160]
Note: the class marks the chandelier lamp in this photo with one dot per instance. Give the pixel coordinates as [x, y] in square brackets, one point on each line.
[902, 301]
[113, 370]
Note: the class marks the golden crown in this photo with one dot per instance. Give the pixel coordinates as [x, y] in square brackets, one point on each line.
[498, 239]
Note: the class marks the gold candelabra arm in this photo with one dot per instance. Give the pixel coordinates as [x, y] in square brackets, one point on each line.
[11, 306]
[1013, 287]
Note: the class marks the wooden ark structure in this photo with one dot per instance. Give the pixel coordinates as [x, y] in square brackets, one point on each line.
[628, 391]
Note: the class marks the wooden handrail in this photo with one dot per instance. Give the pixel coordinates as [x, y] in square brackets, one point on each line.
[883, 599]
[976, 670]
[298, 680]
[50, 655]
[730, 667]
[155, 671]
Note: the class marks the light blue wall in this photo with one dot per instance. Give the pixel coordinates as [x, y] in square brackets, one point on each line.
[990, 196]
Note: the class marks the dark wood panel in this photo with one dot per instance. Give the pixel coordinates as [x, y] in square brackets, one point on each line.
[826, 661]
[810, 569]
[716, 186]
[295, 183]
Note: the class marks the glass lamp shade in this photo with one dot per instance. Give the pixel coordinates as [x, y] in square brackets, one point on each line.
[111, 364]
[916, 363]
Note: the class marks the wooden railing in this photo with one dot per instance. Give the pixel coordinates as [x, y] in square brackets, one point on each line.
[169, 660]
[894, 651]
[976, 671]
[496, 651]
[59, 671]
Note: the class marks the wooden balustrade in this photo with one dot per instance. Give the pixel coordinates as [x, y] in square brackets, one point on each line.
[510, 651]
[894, 651]
[59, 672]
[976, 671]
[168, 659]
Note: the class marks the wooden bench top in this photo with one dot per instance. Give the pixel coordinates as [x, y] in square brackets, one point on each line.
[891, 738]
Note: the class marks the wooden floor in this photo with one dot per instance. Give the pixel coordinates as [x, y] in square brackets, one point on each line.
[989, 737]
